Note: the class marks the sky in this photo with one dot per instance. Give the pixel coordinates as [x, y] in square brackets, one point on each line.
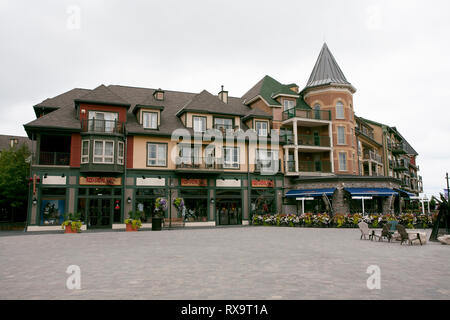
[396, 54]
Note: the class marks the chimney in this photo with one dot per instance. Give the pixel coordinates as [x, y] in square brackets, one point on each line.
[223, 95]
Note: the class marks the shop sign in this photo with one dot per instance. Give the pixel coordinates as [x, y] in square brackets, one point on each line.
[262, 183]
[100, 181]
[194, 182]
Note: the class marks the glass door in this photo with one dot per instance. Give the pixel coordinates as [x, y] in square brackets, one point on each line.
[99, 213]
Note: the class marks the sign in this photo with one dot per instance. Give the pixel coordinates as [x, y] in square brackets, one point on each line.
[446, 194]
[194, 182]
[262, 183]
[100, 181]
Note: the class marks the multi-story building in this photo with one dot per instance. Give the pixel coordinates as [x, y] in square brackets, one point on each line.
[113, 149]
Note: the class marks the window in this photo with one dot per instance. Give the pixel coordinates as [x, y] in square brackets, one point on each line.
[288, 104]
[199, 123]
[103, 151]
[317, 111]
[156, 154]
[188, 154]
[261, 128]
[341, 135]
[231, 157]
[266, 160]
[340, 110]
[102, 121]
[120, 153]
[150, 120]
[223, 123]
[85, 151]
[342, 161]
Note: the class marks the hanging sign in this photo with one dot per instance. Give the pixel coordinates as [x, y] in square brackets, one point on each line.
[100, 181]
[262, 183]
[194, 182]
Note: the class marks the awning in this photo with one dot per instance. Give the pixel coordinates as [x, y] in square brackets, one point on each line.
[405, 193]
[371, 192]
[310, 193]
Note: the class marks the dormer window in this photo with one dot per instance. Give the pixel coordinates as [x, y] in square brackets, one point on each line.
[159, 95]
[150, 120]
[199, 123]
[261, 128]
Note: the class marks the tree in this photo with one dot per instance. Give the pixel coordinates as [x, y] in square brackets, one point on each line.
[14, 170]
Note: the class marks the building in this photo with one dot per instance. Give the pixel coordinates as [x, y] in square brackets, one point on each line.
[113, 149]
[7, 142]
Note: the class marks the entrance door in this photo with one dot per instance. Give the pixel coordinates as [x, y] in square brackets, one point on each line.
[229, 212]
[316, 139]
[100, 212]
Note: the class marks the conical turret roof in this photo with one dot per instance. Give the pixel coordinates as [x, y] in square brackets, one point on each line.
[327, 71]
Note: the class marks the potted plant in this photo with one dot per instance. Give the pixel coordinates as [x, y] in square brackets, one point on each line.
[160, 208]
[178, 203]
[72, 223]
[133, 223]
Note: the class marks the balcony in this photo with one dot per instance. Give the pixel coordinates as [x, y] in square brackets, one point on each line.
[54, 158]
[366, 132]
[372, 156]
[398, 148]
[102, 126]
[306, 114]
[208, 164]
[309, 167]
[314, 141]
[401, 165]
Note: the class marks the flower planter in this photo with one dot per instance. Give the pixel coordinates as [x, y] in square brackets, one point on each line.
[157, 224]
[68, 229]
[130, 228]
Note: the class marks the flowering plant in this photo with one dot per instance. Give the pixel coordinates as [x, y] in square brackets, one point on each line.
[178, 203]
[73, 220]
[134, 219]
[160, 206]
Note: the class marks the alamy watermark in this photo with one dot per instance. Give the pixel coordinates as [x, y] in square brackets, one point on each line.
[73, 21]
[74, 280]
[374, 281]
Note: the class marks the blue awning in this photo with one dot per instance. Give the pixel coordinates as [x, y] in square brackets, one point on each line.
[374, 192]
[310, 193]
[404, 192]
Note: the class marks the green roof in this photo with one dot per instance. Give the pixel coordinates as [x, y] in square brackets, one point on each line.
[267, 88]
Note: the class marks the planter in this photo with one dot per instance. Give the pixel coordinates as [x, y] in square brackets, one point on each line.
[157, 224]
[68, 229]
[130, 228]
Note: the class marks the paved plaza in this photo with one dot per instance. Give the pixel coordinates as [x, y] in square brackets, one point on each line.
[220, 263]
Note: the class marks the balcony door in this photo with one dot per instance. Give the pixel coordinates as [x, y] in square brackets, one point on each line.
[102, 121]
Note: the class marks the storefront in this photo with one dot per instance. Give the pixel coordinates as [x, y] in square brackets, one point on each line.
[196, 198]
[100, 201]
[145, 199]
[52, 206]
[229, 206]
[263, 196]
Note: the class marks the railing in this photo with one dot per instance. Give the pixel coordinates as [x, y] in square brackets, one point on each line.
[207, 163]
[268, 166]
[365, 132]
[102, 126]
[54, 158]
[309, 166]
[310, 140]
[372, 156]
[398, 147]
[306, 114]
[287, 137]
[401, 165]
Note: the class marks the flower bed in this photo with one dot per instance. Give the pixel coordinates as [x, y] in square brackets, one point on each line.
[323, 220]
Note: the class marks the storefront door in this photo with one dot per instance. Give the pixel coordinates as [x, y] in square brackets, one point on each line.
[100, 213]
[229, 212]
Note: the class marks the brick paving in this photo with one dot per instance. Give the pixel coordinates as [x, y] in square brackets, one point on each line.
[220, 263]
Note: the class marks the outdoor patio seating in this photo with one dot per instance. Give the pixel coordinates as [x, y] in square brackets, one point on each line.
[385, 233]
[364, 228]
[408, 237]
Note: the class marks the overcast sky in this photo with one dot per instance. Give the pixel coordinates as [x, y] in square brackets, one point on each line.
[396, 53]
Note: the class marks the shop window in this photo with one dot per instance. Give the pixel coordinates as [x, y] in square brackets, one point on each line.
[263, 201]
[196, 204]
[53, 206]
